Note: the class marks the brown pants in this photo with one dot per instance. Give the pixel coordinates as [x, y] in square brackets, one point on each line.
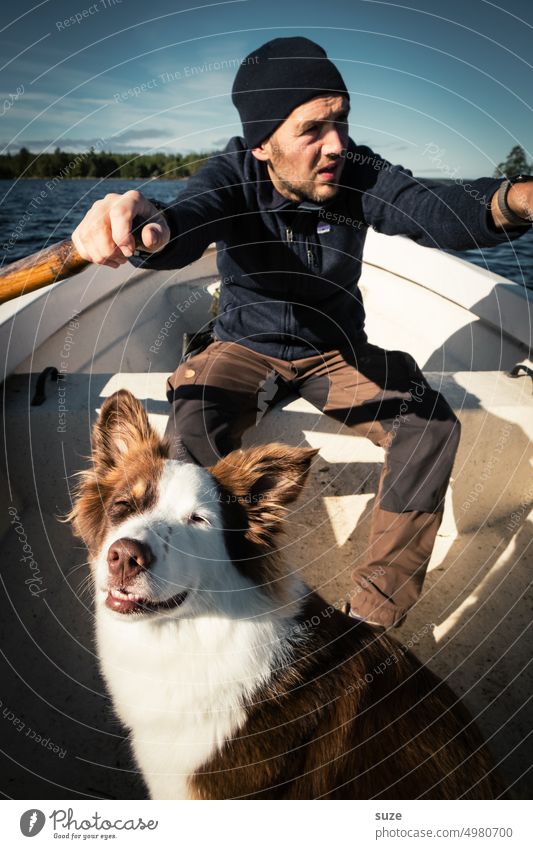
[379, 394]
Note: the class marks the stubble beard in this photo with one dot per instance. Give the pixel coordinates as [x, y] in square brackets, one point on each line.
[312, 194]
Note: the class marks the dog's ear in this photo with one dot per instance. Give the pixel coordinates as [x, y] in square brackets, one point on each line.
[264, 480]
[122, 428]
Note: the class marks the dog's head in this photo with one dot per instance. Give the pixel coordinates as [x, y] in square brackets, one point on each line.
[170, 538]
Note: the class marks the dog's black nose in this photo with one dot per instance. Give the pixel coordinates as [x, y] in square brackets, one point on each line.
[127, 557]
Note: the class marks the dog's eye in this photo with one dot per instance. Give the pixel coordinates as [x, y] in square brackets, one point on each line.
[197, 519]
[119, 507]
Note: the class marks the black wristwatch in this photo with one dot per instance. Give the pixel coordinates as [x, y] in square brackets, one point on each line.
[510, 216]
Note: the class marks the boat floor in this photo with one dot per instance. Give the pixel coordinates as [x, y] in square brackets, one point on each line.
[60, 738]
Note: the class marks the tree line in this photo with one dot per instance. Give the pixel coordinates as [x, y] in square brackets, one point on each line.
[516, 163]
[98, 164]
[135, 166]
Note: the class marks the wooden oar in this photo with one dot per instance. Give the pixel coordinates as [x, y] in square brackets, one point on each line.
[55, 263]
[41, 269]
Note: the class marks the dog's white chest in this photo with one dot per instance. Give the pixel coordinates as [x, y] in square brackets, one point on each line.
[181, 689]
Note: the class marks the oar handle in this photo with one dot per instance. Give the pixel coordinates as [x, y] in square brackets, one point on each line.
[55, 263]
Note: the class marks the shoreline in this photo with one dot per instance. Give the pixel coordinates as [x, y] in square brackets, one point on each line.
[143, 180]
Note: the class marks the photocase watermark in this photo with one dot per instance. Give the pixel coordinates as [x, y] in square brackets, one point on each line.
[38, 199]
[375, 162]
[317, 618]
[35, 580]
[184, 73]
[11, 99]
[338, 218]
[88, 12]
[181, 308]
[65, 819]
[20, 726]
[416, 395]
[213, 290]
[365, 583]
[517, 516]
[66, 348]
[488, 469]
[391, 659]
[32, 822]
[20, 226]
[214, 494]
[436, 154]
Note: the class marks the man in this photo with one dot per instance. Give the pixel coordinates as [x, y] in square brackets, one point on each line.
[289, 205]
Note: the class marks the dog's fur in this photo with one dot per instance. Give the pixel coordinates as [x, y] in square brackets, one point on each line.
[247, 684]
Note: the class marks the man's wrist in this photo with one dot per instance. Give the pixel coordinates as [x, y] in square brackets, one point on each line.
[161, 208]
[511, 205]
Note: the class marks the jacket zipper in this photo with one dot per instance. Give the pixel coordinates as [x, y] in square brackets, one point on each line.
[311, 259]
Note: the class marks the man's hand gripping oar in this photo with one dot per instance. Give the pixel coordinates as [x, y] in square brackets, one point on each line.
[110, 232]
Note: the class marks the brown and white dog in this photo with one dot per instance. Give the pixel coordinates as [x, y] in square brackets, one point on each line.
[235, 679]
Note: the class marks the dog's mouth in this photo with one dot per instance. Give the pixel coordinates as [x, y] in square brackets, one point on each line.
[122, 601]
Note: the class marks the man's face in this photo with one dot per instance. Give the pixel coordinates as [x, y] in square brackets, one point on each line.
[303, 155]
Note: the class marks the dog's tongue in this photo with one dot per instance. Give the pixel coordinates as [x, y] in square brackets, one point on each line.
[122, 602]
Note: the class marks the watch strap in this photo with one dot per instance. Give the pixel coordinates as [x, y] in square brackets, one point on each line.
[511, 217]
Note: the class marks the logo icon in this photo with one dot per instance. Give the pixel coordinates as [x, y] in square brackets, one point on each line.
[32, 822]
[266, 395]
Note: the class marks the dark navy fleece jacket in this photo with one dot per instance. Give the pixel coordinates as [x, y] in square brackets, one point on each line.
[290, 271]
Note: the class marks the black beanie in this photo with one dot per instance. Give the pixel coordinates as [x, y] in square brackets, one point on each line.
[278, 77]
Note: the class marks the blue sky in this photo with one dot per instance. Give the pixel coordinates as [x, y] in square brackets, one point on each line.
[444, 89]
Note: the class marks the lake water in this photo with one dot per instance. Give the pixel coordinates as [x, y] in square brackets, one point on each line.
[37, 213]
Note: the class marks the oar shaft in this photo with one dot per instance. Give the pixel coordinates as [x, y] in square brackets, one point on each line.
[41, 269]
[52, 264]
